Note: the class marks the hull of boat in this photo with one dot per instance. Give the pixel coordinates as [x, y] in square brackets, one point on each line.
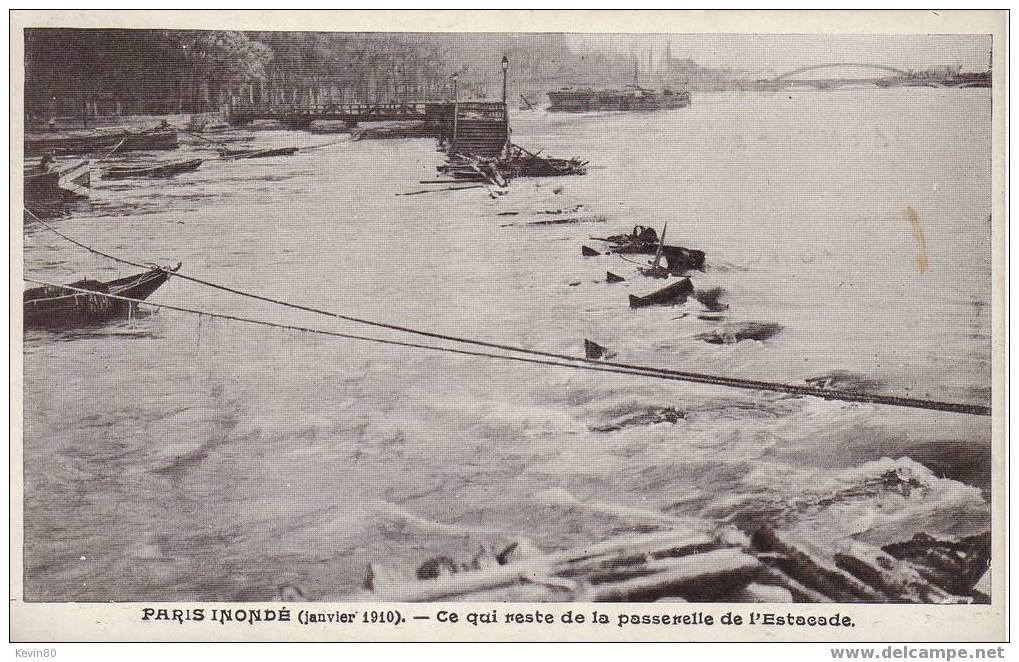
[166, 170]
[256, 153]
[670, 295]
[580, 101]
[55, 307]
[128, 140]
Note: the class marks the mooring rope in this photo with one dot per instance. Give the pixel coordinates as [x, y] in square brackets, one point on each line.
[664, 373]
[338, 334]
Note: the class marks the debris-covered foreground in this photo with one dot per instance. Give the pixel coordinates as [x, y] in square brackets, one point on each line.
[724, 565]
[759, 552]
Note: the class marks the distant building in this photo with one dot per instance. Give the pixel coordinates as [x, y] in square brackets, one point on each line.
[686, 73]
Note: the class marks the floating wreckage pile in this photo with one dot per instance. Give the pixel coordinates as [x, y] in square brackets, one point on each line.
[723, 565]
[677, 261]
[642, 240]
[517, 162]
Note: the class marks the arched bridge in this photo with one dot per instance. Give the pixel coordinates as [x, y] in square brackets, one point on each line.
[835, 65]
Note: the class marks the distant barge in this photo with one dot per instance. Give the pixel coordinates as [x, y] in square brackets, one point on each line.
[633, 97]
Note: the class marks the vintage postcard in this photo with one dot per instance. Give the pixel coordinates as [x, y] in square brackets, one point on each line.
[508, 326]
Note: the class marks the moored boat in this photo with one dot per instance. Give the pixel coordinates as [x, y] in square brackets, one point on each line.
[55, 306]
[256, 153]
[631, 97]
[156, 138]
[160, 170]
[578, 100]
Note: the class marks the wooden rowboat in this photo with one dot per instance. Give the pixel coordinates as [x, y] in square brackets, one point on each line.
[53, 306]
[161, 170]
[256, 153]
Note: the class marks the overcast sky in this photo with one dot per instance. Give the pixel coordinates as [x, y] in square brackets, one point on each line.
[785, 52]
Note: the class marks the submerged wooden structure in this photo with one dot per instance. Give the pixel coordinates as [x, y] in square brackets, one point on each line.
[478, 129]
[723, 564]
[469, 127]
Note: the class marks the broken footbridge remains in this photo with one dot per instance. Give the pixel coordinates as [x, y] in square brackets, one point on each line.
[480, 128]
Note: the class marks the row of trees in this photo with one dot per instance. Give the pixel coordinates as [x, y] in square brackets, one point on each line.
[85, 73]
[71, 72]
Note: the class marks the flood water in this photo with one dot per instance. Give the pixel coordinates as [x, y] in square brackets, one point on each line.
[175, 456]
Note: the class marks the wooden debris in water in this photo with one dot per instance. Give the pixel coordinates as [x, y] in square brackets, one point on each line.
[436, 190]
[729, 334]
[799, 592]
[670, 295]
[722, 565]
[704, 574]
[679, 260]
[587, 251]
[645, 240]
[846, 380]
[570, 221]
[555, 212]
[954, 565]
[474, 168]
[648, 417]
[593, 350]
[808, 565]
[754, 592]
[893, 577]
[640, 240]
[613, 278]
[711, 299]
[518, 162]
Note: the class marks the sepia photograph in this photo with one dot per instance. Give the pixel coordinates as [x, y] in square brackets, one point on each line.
[333, 316]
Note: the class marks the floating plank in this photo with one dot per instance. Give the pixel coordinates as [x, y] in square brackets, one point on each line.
[587, 251]
[754, 592]
[539, 569]
[436, 190]
[808, 565]
[638, 554]
[799, 592]
[716, 570]
[613, 278]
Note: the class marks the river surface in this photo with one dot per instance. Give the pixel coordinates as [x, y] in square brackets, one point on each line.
[173, 456]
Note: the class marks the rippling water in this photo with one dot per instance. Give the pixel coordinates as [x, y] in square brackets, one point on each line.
[180, 457]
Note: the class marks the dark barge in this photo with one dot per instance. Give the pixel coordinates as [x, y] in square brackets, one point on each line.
[58, 307]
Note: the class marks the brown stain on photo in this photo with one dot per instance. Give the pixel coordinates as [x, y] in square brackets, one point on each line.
[922, 260]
